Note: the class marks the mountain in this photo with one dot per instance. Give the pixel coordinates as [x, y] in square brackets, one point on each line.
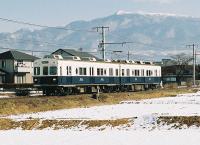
[153, 35]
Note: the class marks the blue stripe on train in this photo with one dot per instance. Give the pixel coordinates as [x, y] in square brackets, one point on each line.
[107, 80]
[76, 80]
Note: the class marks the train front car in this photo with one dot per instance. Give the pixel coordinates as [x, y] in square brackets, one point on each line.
[60, 76]
[46, 74]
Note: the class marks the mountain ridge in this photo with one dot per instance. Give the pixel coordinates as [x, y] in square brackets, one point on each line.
[149, 34]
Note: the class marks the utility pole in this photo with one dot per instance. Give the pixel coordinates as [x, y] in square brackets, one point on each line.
[194, 61]
[102, 30]
[128, 55]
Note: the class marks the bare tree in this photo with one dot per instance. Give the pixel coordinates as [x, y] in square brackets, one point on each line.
[182, 61]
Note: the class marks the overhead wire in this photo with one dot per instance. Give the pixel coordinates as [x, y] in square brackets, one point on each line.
[43, 26]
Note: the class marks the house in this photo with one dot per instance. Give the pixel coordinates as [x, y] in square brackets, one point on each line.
[16, 67]
[2, 76]
[179, 74]
[69, 53]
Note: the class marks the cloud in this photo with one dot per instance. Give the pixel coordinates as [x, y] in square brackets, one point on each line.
[155, 1]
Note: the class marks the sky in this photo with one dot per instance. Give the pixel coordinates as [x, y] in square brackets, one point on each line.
[62, 12]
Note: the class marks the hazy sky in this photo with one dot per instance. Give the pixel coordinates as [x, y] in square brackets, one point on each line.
[61, 12]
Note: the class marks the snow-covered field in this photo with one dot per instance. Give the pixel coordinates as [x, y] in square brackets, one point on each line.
[61, 137]
[4, 96]
[182, 105]
[140, 133]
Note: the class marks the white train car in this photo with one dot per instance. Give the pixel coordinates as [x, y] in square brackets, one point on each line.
[55, 75]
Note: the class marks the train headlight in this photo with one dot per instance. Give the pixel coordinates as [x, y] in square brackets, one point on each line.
[54, 79]
[35, 80]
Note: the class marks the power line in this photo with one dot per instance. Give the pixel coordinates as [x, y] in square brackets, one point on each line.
[35, 42]
[28, 50]
[43, 26]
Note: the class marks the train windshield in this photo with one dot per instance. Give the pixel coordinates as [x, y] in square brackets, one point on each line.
[36, 70]
[45, 70]
[53, 70]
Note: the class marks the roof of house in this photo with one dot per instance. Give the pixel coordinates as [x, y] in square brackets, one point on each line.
[16, 55]
[73, 52]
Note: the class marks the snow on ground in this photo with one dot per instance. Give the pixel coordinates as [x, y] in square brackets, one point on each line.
[181, 105]
[62, 137]
[4, 96]
[146, 112]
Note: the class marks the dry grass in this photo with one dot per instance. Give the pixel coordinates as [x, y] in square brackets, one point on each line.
[180, 121]
[176, 122]
[7, 124]
[19, 105]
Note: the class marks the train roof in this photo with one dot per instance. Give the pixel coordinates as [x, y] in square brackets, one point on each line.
[75, 58]
[74, 55]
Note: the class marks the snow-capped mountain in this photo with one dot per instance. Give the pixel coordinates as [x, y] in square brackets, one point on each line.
[152, 35]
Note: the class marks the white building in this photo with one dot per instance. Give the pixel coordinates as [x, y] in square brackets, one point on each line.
[16, 67]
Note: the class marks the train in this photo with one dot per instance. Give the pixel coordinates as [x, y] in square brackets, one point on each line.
[56, 75]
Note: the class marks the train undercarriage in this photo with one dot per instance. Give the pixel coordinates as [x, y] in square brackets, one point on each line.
[74, 90]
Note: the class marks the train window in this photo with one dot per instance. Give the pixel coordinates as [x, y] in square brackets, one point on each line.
[53, 70]
[105, 72]
[133, 72]
[91, 71]
[101, 71]
[98, 71]
[137, 72]
[76, 71]
[147, 72]
[70, 70]
[128, 72]
[110, 72]
[60, 71]
[123, 72]
[45, 70]
[82, 71]
[150, 72]
[156, 72]
[67, 69]
[36, 70]
[142, 72]
[117, 72]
